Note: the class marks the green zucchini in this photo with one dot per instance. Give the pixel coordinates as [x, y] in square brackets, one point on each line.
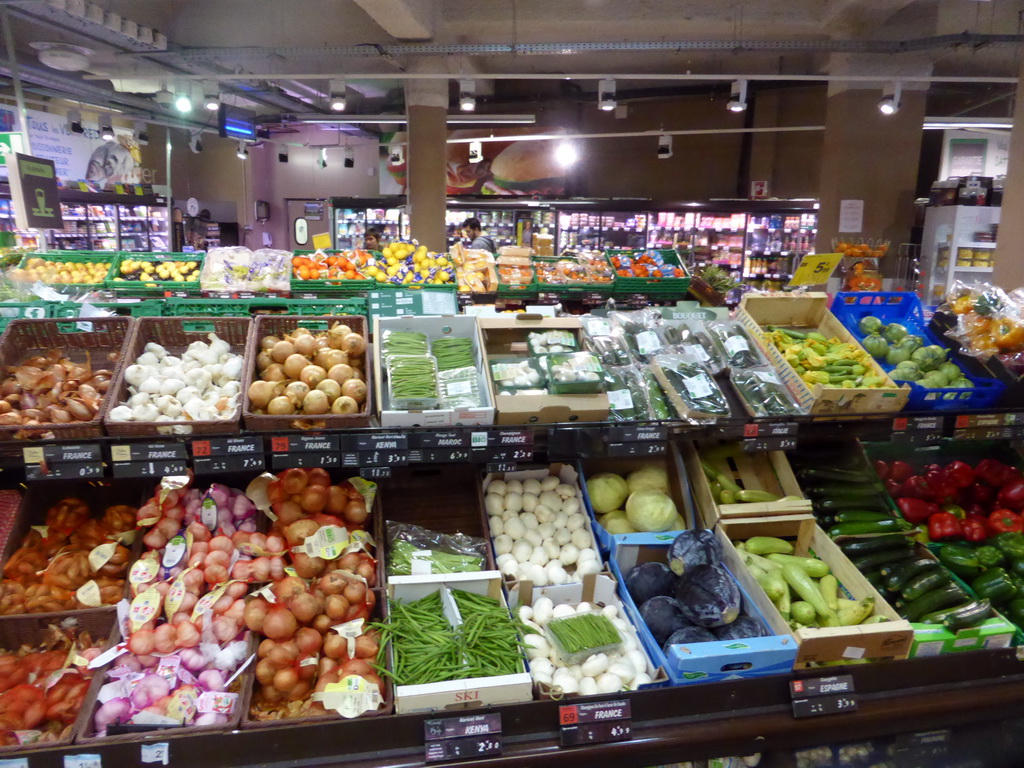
[755, 496]
[922, 583]
[944, 596]
[766, 545]
[874, 578]
[937, 617]
[861, 516]
[843, 490]
[837, 503]
[816, 474]
[875, 560]
[855, 547]
[898, 574]
[968, 615]
[810, 565]
[892, 525]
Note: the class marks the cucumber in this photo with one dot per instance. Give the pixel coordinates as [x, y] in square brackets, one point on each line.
[861, 516]
[856, 547]
[875, 560]
[755, 496]
[766, 545]
[810, 565]
[874, 578]
[922, 583]
[890, 525]
[937, 617]
[968, 616]
[837, 504]
[944, 596]
[898, 574]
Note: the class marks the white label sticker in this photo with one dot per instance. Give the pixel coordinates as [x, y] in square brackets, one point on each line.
[459, 388]
[698, 386]
[174, 552]
[221, 702]
[853, 652]
[599, 328]
[767, 376]
[697, 352]
[14, 762]
[736, 344]
[620, 400]
[208, 513]
[929, 649]
[647, 342]
[965, 642]
[82, 761]
[156, 753]
[328, 542]
[421, 563]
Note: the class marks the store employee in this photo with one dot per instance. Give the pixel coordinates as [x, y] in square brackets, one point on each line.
[480, 242]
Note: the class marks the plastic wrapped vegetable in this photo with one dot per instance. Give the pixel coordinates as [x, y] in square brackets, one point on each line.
[697, 394]
[605, 341]
[655, 396]
[764, 392]
[627, 395]
[638, 329]
[735, 344]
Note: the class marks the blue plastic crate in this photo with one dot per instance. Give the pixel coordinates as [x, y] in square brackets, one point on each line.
[905, 308]
[708, 662]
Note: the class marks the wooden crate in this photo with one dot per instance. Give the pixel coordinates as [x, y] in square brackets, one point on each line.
[887, 640]
[809, 311]
[762, 471]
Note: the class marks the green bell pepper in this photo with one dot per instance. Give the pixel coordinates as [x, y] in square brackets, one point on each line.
[1014, 611]
[961, 560]
[989, 556]
[1017, 568]
[994, 585]
[1011, 544]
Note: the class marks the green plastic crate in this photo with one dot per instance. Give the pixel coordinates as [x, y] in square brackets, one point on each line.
[31, 310]
[326, 288]
[661, 287]
[72, 257]
[143, 308]
[156, 288]
[246, 307]
[574, 289]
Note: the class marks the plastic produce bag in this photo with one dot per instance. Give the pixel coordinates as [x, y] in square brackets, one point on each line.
[415, 550]
[697, 396]
[638, 328]
[241, 269]
[605, 341]
[988, 321]
[764, 393]
[460, 388]
[735, 344]
[691, 339]
[627, 393]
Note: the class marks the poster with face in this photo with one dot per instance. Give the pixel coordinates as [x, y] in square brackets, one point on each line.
[81, 156]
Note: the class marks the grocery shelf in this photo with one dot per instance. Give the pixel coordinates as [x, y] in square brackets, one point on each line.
[668, 724]
[972, 269]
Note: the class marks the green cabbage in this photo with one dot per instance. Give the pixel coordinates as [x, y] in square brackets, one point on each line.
[651, 510]
[607, 491]
[647, 477]
[616, 522]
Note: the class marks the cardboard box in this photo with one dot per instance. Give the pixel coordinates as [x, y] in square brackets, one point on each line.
[764, 471]
[598, 589]
[434, 328]
[889, 639]
[806, 312]
[507, 336]
[565, 472]
[934, 639]
[711, 661]
[458, 694]
[678, 490]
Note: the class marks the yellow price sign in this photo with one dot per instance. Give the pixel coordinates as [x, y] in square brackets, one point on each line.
[322, 240]
[816, 269]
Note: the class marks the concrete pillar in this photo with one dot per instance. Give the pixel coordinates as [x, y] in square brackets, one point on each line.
[427, 105]
[871, 157]
[1008, 271]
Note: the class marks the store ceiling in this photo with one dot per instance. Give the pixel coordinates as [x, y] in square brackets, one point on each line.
[275, 40]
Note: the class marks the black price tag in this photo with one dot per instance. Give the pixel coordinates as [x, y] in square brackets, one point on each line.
[305, 451]
[511, 438]
[638, 433]
[227, 454]
[442, 440]
[305, 460]
[246, 463]
[916, 438]
[769, 444]
[969, 420]
[382, 442]
[375, 473]
[824, 705]
[820, 686]
[921, 748]
[770, 429]
[983, 433]
[383, 458]
[637, 449]
[150, 468]
[441, 455]
[501, 466]
[460, 738]
[62, 454]
[595, 723]
[511, 454]
[918, 424]
[76, 470]
[147, 452]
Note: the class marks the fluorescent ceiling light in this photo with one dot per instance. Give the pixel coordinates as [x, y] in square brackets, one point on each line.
[402, 119]
[952, 123]
[566, 154]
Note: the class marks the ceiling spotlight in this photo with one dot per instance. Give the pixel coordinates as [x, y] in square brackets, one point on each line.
[322, 162]
[467, 95]
[664, 147]
[195, 144]
[183, 100]
[738, 96]
[141, 134]
[566, 154]
[476, 151]
[350, 158]
[74, 118]
[606, 95]
[282, 154]
[163, 97]
[211, 97]
[890, 102]
[106, 128]
[338, 95]
[243, 151]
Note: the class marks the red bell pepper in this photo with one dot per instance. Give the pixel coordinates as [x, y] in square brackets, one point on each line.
[974, 529]
[894, 488]
[919, 488]
[944, 525]
[941, 486]
[1011, 495]
[982, 494]
[994, 472]
[1005, 521]
[960, 474]
[900, 471]
[916, 510]
[931, 468]
[978, 510]
[883, 470]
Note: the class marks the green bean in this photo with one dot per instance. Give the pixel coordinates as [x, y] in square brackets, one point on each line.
[583, 631]
[412, 377]
[453, 353]
[403, 343]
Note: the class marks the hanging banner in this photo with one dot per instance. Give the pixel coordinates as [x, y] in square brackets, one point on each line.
[33, 183]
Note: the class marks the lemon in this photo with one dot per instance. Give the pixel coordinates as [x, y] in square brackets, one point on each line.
[380, 277]
[392, 270]
[372, 271]
[441, 261]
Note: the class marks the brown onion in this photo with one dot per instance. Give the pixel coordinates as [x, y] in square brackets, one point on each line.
[340, 373]
[267, 343]
[273, 372]
[353, 344]
[315, 403]
[281, 406]
[328, 358]
[355, 389]
[312, 375]
[294, 364]
[296, 391]
[282, 351]
[263, 361]
[261, 393]
[344, 405]
[331, 388]
[305, 345]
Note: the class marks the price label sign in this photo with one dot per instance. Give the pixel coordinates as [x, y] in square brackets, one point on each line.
[501, 466]
[637, 449]
[770, 429]
[462, 738]
[769, 444]
[382, 442]
[440, 455]
[816, 269]
[510, 454]
[595, 723]
[150, 468]
[813, 697]
[449, 439]
[305, 451]
[375, 473]
[638, 433]
[82, 470]
[227, 454]
[61, 462]
[147, 452]
[384, 458]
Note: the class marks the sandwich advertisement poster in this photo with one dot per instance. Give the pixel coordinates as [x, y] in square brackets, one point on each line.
[510, 168]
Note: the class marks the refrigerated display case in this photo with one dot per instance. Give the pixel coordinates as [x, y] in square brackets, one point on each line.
[775, 243]
[389, 222]
[75, 234]
[623, 230]
[133, 228]
[26, 240]
[156, 223]
[349, 227]
[718, 238]
[958, 244]
[102, 227]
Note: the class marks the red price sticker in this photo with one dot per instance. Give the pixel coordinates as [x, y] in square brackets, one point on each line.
[279, 444]
[963, 421]
[899, 424]
[200, 447]
[569, 715]
[751, 430]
